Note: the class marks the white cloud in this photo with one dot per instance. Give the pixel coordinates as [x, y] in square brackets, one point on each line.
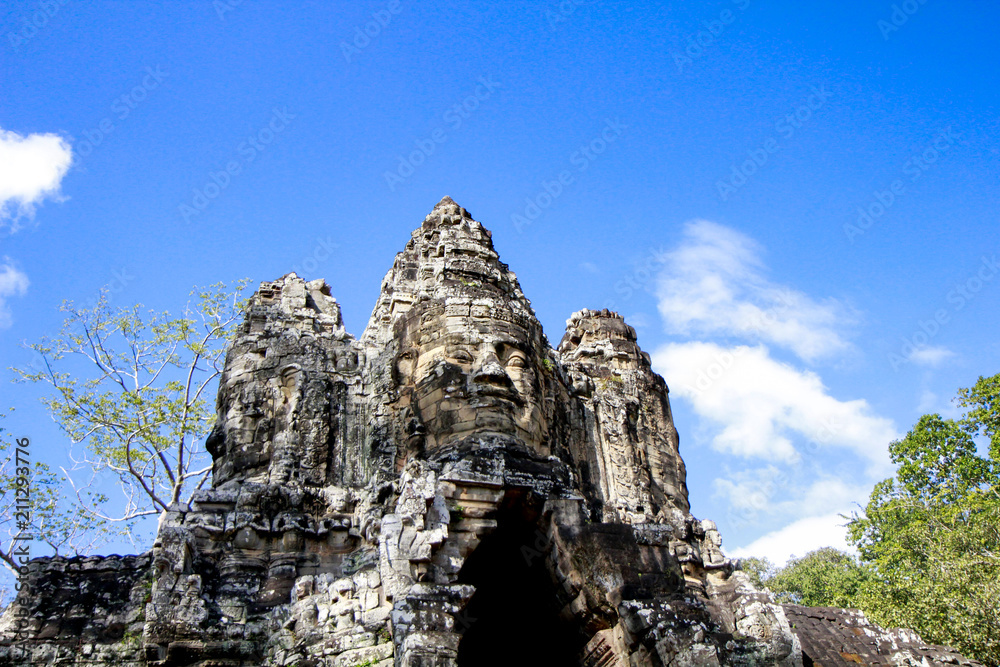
[12, 283]
[798, 539]
[817, 455]
[828, 492]
[774, 496]
[714, 284]
[763, 406]
[751, 491]
[590, 267]
[821, 495]
[31, 170]
[930, 356]
[750, 495]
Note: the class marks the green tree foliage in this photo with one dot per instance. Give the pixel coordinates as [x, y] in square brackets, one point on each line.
[928, 540]
[825, 577]
[759, 570]
[135, 387]
[983, 414]
[931, 534]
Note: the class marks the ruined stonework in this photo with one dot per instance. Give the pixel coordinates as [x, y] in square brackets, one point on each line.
[447, 489]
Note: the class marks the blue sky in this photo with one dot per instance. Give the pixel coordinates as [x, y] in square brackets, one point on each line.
[795, 204]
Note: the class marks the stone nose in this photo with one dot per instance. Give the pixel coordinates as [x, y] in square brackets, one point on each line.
[490, 372]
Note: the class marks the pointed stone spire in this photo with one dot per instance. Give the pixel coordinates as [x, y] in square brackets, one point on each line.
[446, 201]
[449, 259]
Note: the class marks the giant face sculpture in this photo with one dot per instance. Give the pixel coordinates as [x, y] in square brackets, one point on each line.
[472, 374]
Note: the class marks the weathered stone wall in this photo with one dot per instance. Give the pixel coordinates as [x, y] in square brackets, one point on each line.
[78, 611]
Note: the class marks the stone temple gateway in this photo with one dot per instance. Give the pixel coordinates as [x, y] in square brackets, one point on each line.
[448, 489]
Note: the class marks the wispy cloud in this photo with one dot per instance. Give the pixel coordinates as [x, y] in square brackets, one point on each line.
[751, 491]
[31, 170]
[930, 356]
[791, 442]
[813, 517]
[12, 283]
[768, 409]
[773, 495]
[797, 539]
[714, 284]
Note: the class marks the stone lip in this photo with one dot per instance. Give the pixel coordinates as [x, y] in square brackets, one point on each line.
[96, 563]
[502, 461]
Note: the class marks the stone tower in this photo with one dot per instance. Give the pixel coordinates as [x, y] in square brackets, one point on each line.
[448, 489]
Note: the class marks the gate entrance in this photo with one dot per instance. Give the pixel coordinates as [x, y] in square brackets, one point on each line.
[513, 618]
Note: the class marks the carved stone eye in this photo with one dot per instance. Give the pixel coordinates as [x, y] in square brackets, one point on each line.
[461, 357]
[517, 360]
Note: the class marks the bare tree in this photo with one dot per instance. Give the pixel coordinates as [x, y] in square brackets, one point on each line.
[136, 388]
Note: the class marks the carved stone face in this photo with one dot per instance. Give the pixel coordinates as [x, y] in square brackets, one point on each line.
[473, 375]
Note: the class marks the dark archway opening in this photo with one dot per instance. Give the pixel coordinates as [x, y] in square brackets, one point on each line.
[513, 619]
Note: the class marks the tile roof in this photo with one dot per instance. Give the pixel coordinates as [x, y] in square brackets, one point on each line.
[830, 636]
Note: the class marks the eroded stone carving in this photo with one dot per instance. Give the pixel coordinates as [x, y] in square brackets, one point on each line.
[448, 489]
